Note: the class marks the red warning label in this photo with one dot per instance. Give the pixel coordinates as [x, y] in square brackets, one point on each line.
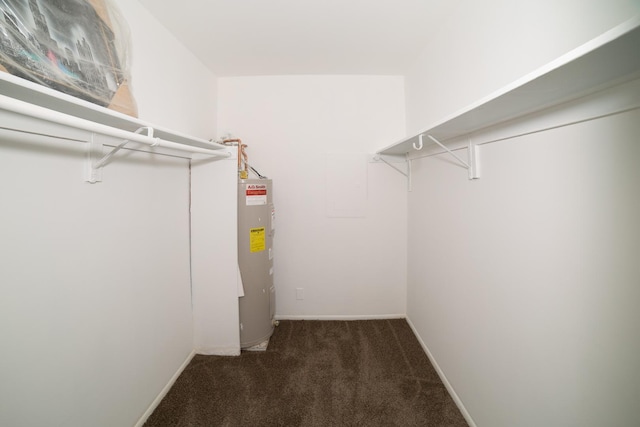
[256, 194]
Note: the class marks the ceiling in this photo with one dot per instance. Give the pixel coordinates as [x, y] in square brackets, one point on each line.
[277, 37]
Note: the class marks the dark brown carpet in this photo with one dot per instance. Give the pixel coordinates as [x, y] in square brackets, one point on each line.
[315, 373]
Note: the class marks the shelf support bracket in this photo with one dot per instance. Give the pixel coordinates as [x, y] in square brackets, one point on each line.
[472, 166]
[94, 150]
[388, 160]
[93, 168]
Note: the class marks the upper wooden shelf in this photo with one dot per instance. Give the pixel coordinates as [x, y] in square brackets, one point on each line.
[610, 59]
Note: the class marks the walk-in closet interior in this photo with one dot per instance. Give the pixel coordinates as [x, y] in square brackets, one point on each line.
[463, 172]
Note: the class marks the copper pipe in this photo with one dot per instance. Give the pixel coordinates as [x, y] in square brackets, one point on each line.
[240, 150]
[245, 157]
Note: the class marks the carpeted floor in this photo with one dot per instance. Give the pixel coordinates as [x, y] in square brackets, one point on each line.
[315, 373]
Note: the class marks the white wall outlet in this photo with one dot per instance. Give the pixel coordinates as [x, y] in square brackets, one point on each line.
[299, 293]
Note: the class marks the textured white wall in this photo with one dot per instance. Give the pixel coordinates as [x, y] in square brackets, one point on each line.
[348, 267]
[95, 298]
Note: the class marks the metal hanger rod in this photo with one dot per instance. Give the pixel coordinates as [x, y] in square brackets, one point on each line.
[37, 112]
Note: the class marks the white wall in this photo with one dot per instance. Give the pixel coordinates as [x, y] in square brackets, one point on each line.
[95, 306]
[348, 267]
[522, 284]
[214, 243]
[489, 44]
[95, 298]
[171, 86]
[189, 92]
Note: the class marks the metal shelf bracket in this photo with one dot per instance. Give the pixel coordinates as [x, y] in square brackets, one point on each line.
[473, 164]
[93, 168]
[404, 163]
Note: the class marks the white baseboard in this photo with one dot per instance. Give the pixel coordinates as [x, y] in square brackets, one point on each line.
[339, 316]
[443, 377]
[164, 391]
[219, 351]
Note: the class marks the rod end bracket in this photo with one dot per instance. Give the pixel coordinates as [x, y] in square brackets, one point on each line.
[93, 174]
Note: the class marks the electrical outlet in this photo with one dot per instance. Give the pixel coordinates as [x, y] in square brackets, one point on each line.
[299, 293]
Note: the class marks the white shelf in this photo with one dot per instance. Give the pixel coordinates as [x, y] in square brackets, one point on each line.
[41, 96]
[610, 59]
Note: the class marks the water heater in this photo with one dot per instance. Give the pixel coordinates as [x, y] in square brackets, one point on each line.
[256, 226]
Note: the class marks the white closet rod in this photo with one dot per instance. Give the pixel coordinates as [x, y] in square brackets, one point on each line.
[35, 111]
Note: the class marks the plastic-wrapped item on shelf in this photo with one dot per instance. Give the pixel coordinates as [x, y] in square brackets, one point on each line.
[79, 47]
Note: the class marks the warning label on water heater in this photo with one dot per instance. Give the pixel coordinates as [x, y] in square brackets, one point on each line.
[256, 194]
[257, 239]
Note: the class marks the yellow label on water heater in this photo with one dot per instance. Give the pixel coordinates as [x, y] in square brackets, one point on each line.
[257, 239]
